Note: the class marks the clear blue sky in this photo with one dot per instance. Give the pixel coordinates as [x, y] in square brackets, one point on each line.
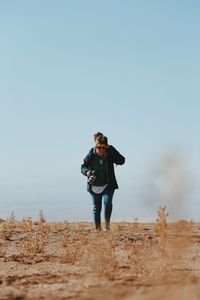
[128, 68]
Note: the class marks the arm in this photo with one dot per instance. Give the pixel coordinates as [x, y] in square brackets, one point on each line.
[117, 158]
[85, 167]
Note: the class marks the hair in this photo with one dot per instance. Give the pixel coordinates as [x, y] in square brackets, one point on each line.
[99, 138]
[97, 135]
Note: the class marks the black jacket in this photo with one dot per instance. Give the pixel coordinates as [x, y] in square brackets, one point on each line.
[113, 157]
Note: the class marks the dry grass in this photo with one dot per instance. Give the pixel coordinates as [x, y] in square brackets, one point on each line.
[8, 228]
[71, 260]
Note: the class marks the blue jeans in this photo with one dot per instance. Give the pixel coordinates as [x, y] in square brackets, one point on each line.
[107, 197]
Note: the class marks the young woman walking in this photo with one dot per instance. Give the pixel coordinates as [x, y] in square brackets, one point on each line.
[98, 167]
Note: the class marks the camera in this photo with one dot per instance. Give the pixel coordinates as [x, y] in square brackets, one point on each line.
[92, 178]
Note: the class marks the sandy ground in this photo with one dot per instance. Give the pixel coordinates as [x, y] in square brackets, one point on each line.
[39, 260]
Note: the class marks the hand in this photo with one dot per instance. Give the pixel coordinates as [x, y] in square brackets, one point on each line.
[92, 179]
[89, 173]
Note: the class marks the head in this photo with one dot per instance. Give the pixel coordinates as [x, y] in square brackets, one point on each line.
[101, 144]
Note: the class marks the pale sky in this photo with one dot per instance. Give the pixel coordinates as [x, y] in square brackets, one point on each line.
[130, 69]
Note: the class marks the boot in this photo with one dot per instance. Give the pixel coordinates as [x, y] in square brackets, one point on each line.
[107, 226]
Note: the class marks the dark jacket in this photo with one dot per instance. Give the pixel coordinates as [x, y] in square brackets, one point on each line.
[113, 157]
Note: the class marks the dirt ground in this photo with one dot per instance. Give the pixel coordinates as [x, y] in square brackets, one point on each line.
[40, 260]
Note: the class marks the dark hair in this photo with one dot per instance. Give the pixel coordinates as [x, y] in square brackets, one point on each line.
[97, 135]
[99, 138]
[102, 140]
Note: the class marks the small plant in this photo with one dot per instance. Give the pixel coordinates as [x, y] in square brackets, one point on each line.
[5, 233]
[33, 244]
[12, 218]
[100, 257]
[27, 225]
[42, 217]
[8, 227]
[37, 235]
[161, 222]
[58, 227]
[44, 230]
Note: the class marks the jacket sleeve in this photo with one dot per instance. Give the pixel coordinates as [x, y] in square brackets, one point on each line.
[85, 166]
[117, 158]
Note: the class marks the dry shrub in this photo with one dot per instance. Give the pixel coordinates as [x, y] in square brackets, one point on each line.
[42, 217]
[6, 232]
[140, 267]
[8, 227]
[100, 257]
[157, 267]
[44, 230]
[172, 246]
[161, 222]
[27, 225]
[160, 230]
[60, 226]
[34, 243]
[38, 235]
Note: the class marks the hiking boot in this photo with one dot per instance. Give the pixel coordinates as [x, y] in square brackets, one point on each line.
[107, 226]
[98, 228]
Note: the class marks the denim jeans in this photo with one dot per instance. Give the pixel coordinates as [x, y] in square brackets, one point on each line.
[107, 197]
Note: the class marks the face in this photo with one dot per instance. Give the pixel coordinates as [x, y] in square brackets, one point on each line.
[101, 149]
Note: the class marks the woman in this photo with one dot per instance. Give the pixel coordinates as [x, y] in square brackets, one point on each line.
[98, 166]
